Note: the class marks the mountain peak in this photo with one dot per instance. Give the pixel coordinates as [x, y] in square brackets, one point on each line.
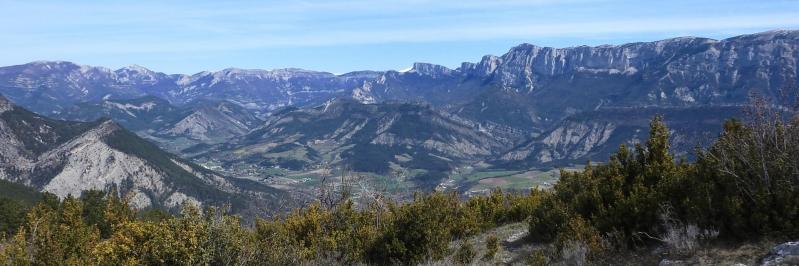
[368, 74]
[769, 35]
[136, 68]
[282, 73]
[108, 125]
[684, 40]
[50, 65]
[524, 47]
[430, 69]
[486, 66]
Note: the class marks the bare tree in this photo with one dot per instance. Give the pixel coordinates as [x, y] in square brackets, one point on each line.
[762, 154]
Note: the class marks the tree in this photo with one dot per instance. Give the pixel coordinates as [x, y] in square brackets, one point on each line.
[16, 251]
[94, 205]
[12, 215]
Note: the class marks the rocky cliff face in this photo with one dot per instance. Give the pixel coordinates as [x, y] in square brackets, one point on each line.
[539, 86]
[679, 71]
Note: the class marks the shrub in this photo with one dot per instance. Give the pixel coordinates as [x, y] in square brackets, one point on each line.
[547, 218]
[492, 247]
[538, 258]
[422, 229]
[466, 253]
[579, 236]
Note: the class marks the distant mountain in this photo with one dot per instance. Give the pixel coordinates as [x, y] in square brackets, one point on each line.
[53, 87]
[200, 121]
[265, 90]
[362, 137]
[50, 87]
[144, 113]
[520, 98]
[66, 158]
[211, 121]
[534, 88]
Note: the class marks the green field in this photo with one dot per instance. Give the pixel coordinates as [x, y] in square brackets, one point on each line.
[476, 176]
[509, 180]
[518, 180]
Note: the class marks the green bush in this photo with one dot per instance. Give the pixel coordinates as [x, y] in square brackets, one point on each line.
[465, 254]
[492, 247]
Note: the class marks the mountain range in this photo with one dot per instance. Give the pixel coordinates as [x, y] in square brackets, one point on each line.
[532, 107]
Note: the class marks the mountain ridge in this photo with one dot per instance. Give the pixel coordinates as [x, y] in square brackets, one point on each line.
[66, 158]
[769, 34]
[518, 97]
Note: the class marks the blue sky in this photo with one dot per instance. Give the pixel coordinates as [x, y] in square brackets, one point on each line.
[345, 35]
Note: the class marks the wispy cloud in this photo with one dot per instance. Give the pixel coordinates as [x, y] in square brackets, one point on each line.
[434, 33]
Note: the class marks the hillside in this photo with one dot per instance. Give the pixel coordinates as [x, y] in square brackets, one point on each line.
[375, 138]
[641, 207]
[66, 158]
[594, 135]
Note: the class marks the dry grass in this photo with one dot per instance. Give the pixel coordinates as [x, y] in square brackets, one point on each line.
[516, 249]
[513, 246]
[710, 254]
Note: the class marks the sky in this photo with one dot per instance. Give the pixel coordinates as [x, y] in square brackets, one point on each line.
[339, 36]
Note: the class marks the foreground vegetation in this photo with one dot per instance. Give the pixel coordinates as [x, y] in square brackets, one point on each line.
[742, 187]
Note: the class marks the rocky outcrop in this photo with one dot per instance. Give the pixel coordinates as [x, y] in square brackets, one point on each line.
[677, 71]
[87, 162]
[783, 254]
[430, 70]
[5, 105]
